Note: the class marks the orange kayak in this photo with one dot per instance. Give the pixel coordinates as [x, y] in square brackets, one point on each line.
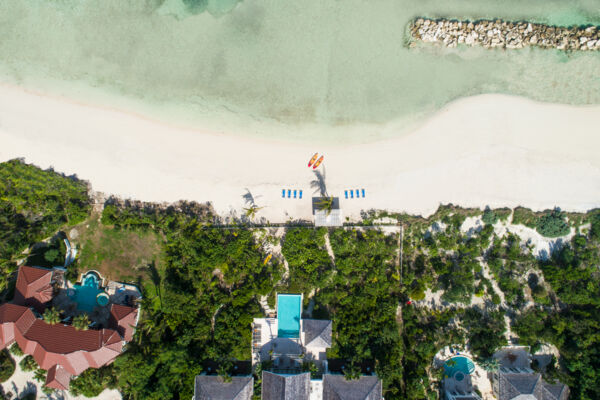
[319, 161]
[313, 159]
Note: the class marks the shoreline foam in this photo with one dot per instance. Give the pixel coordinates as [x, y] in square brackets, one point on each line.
[485, 150]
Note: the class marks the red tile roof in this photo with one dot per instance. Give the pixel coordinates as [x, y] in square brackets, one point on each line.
[58, 378]
[33, 287]
[25, 320]
[63, 339]
[62, 350]
[32, 274]
[123, 320]
[11, 312]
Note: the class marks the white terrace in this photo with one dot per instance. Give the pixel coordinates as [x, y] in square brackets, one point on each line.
[315, 338]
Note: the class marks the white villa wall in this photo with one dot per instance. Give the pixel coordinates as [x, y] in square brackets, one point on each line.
[316, 389]
[316, 353]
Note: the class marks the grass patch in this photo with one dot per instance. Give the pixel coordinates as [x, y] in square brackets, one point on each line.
[524, 216]
[118, 254]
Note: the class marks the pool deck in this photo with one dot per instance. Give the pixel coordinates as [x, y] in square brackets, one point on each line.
[265, 339]
[478, 379]
[81, 302]
[514, 357]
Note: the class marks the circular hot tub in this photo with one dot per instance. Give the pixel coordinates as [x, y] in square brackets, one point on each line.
[102, 299]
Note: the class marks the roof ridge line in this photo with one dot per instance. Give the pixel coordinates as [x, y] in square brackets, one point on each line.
[37, 279]
[242, 388]
[375, 384]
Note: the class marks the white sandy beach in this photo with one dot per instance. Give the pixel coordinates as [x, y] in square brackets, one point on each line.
[491, 150]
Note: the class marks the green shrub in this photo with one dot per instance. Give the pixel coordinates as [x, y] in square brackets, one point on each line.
[417, 292]
[485, 330]
[524, 216]
[7, 366]
[552, 225]
[93, 381]
[16, 350]
[496, 299]
[538, 292]
[595, 227]
[309, 263]
[51, 255]
[489, 217]
[28, 364]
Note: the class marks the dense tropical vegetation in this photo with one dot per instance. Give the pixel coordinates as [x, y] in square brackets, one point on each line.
[7, 366]
[34, 204]
[203, 285]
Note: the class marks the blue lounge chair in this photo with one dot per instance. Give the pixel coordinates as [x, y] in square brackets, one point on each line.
[351, 194]
[357, 195]
[300, 193]
[295, 193]
[283, 193]
[363, 192]
[289, 193]
[346, 193]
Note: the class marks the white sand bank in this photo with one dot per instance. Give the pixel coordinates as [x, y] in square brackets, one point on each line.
[485, 150]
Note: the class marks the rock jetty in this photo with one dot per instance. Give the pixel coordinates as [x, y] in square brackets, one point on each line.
[504, 34]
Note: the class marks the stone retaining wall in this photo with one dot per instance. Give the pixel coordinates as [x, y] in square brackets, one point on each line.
[503, 34]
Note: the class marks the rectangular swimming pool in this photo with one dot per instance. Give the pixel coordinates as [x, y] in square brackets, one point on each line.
[289, 310]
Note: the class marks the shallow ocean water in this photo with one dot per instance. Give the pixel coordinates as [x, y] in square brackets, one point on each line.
[317, 62]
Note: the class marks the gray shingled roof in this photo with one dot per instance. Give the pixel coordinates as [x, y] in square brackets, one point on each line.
[212, 387]
[515, 384]
[285, 387]
[512, 385]
[556, 391]
[336, 387]
[317, 332]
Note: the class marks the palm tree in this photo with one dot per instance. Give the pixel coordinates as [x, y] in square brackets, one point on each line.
[351, 371]
[252, 210]
[325, 203]
[451, 363]
[52, 316]
[81, 322]
[490, 364]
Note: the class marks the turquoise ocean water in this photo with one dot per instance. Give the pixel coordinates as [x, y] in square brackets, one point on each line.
[327, 63]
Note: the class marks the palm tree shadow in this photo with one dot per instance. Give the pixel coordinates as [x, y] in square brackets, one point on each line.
[156, 279]
[318, 184]
[248, 198]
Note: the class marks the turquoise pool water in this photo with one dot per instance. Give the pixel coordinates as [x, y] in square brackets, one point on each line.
[102, 299]
[289, 308]
[85, 295]
[464, 366]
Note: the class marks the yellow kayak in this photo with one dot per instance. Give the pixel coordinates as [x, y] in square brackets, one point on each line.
[319, 161]
[267, 259]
